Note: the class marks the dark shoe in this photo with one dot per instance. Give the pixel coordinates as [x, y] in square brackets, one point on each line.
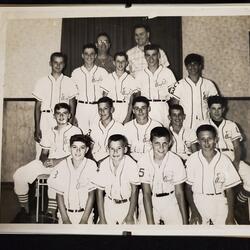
[48, 218]
[22, 217]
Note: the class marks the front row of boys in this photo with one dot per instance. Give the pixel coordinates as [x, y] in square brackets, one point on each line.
[162, 181]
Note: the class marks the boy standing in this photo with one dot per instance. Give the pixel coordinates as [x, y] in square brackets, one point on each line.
[162, 175]
[49, 91]
[119, 86]
[88, 79]
[118, 177]
[229, 139]
[105, 127]
[138, 130]
[55, 148]
[71, 181]
[184, 139]
[154, 82]
[192, 92]
[210, 178]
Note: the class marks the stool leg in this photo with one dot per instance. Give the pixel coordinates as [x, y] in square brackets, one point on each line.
[42, 209]
[37, 200]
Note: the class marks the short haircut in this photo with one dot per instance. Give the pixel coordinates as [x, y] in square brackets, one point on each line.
[206, 127]
[194, 58]
[140, 99]
[215, 99]
[89, 46]
[160, 132]
[103, 34]
[176, 106]
[151, 47]
[106, 100]
[142, 25]
[62, 105]
[86, 139]
[121, 53]
[118, 137]
[58, 54]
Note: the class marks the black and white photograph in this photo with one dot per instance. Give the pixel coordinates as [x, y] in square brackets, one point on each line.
[125, 120]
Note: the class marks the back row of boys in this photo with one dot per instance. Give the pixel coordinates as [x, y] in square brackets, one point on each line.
[154, 82]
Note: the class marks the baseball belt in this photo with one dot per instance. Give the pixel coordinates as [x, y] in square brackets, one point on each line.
[156, 100]
[87, 102]
[214, 194]
[163, 194]
[118, 201]
[75, 210]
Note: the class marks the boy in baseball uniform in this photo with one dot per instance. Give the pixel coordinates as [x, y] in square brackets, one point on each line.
[118, 178]
[137, 61]
[55, 148]
[50, 90]
[184, 139]
[88, 79]
[71, 181]
[210, 178]
[162, 175]
[192, 92]
[105, 127]
[229, 143]
[154, 82]
[138, 130]
[119, 86]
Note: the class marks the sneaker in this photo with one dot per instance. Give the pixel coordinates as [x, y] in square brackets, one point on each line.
[21, 217]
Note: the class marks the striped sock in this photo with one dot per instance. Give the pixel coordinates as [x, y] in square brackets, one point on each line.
[52, 206]
[23, 199]
[242, 197]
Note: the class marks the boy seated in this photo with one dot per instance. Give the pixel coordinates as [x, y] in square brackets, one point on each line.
[162, 175]
[118, 178]
[55, 148]
[71, 181]
[184, 139]
[105, 127]
[229, 143]
[210, 178]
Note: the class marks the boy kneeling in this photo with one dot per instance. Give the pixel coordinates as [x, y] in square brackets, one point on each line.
[71, 180]
[210, 178]
[118, 177]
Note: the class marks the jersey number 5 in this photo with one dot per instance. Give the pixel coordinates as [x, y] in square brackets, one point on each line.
[141, 172]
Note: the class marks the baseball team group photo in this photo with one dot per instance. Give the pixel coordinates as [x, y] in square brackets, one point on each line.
[126, 120]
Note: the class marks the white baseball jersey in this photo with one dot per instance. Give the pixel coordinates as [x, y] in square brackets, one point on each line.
[139, 136]
[117, 186]
[50, 91]
[73, 183]
[137, 61]
[162, 180]
[209, 180]
[213, 177]
[119, 90]
[193, 98]
[89, 91]
[182, 142]
[58, 146]
[100, 136]
[155, 87]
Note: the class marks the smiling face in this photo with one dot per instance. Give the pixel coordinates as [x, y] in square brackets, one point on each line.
[89, 56]
[141, 36]
[176, 117]
[152, 58]
[105, 111]
[120, 63]
[117, 150]
[62, 116]
[57, 64]
[103, 43]
[216, 112]
[78, 150]
[141, 110]
[160, 147]
[207, 141]
[194, 69]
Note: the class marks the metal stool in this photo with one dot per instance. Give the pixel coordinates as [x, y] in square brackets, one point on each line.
[41, 182]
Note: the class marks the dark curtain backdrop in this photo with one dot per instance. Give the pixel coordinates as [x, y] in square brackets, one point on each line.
[165, 31]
